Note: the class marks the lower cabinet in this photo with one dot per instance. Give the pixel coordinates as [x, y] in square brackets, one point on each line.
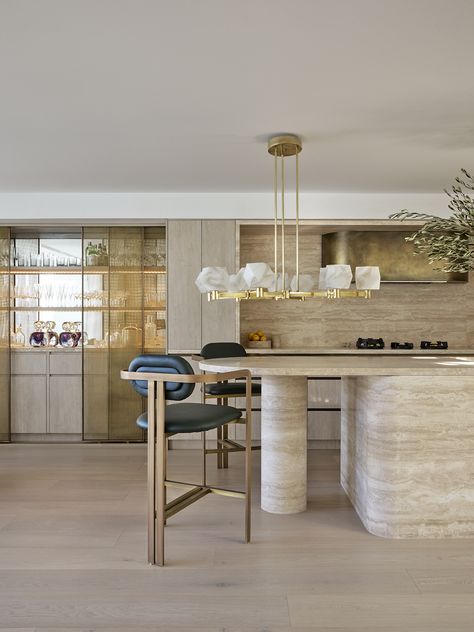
[46, 394]
[28, 404]
[65, 404]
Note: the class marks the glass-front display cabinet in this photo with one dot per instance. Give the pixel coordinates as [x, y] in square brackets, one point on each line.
[76, 305]
[125, 311]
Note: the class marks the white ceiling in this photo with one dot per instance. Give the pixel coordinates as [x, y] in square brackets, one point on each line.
[180, 95]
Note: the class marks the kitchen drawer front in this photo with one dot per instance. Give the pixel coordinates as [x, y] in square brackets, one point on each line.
[67, 363]
[29, 362]
[324, 425]
[324, 393]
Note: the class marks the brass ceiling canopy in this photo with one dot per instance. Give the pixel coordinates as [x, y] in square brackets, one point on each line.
[287, 145]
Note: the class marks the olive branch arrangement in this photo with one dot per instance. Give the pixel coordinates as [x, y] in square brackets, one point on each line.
[447, 240]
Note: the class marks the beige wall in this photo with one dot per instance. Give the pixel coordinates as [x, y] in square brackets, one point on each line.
[398, 312]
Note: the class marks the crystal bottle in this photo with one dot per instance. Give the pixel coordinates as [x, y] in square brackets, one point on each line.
[19, 339]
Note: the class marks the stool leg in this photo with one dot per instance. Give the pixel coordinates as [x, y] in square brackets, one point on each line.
[225, 454]
[219, 447]
[160, 477]
[151, 473]
[166, 474]
[160, 500]
[225, 435]
[204, 476]
[248, 468]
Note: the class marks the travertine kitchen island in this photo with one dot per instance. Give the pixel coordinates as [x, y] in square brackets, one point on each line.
[407, 437]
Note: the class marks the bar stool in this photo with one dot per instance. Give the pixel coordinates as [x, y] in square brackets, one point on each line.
[222, 391]
[161, 378]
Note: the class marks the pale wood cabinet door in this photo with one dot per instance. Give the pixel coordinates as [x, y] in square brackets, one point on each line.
[192, 320]
[65, 404]
[28, 404]
[184, 299]
[218, 249]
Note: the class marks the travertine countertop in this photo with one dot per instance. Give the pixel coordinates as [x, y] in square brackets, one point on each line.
[346, 365]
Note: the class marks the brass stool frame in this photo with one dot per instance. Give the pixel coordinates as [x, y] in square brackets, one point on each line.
[158, 509]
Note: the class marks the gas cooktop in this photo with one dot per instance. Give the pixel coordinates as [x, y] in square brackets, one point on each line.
[379, 343]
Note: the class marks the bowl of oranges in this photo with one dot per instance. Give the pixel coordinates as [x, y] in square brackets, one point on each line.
[257, 339]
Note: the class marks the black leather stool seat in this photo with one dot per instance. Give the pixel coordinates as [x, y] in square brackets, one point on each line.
[193, 417]
[232, 389]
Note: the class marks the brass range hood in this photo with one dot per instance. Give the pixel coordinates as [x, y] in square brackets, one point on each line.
[387, 249]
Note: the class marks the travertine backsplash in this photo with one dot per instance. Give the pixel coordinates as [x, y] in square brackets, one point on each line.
[400, 312]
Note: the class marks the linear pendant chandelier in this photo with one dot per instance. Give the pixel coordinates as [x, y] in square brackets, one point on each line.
[257, 281]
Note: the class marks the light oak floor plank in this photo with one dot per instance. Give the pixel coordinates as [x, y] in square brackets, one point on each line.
[443, 581]
[372, 612]
[73, 554]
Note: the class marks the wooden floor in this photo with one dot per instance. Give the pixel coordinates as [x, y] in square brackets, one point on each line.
[72, 555]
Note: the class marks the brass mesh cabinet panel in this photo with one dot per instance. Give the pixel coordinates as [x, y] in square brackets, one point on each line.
[4, 334]
[155, 289]
[95, 306]
[127, 281]
[126, 322]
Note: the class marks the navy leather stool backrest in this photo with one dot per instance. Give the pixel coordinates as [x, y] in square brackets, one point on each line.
[151, 363]
[222, 350]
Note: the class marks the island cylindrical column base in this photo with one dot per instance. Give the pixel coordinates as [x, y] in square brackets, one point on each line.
[284, 444]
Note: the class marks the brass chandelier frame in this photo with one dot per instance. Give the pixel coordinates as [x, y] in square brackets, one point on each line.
[281, 147]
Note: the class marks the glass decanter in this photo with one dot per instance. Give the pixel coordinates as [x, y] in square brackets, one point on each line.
[82, 336]
[39, 337]
[52, 335]
[68, 338]
[19, 339]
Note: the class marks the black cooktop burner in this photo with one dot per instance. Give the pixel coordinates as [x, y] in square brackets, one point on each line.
[401, 345]
[439, 344]
[378, 343]
[370, 343]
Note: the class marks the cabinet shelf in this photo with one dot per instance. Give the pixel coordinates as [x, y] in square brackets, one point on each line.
[34, 270]
[36, 308]
[45, 309]
[85, 270]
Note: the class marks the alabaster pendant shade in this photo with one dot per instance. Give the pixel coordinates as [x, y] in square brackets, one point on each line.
[338, 277]
[212, 278]
[279, 284]
[306, 283]
[322, 279]
[258, 274]
[237, 281]
[367, 277]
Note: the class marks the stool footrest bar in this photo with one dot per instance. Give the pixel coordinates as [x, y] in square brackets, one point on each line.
[208, 488]
[183, 501]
